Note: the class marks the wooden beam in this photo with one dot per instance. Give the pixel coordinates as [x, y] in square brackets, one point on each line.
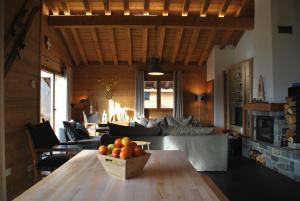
[192, 45]
[161, 41]
[204, 8]
[226, 37]
[111, 36]
[208, 47]
[129, 46]
[145, 45]
[65, 7]
[52, 7]
[224, 7]
[2, 123]
[242, 8]
[231, 23]
[179, 32]
[166, 7]
[87, 7]
[126, 7]
[185, 8]
[79, 46]
[70, 45]
[107, 9]
[97, 45]
[146, 7]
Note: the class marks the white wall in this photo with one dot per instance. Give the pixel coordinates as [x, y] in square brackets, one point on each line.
[210, 69]
[286, 60]
[275, 56]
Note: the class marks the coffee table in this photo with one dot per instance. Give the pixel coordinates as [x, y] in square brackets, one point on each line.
[168, 175]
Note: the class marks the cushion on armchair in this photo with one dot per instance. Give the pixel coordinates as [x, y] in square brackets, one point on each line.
[75, 131]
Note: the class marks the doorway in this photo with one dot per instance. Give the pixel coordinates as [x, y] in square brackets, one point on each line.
[53, 99]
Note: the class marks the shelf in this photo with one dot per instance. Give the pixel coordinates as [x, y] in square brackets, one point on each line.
[264, 107]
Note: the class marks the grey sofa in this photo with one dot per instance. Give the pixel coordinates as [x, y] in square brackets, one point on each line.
[205, 152]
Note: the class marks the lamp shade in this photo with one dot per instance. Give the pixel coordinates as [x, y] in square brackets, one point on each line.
[155, 68]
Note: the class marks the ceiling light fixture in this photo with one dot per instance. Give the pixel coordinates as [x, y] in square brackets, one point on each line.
[155, 68]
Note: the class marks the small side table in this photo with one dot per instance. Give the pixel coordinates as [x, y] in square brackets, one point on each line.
[143, 143]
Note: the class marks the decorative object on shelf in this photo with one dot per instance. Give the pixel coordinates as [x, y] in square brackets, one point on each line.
[108, 85]
[155, 68]
[104, 117]
[261, 90]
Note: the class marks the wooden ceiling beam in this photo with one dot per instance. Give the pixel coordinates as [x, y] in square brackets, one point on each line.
[208, 47]
[146, 7]
[242, 8]
[107, 9]
[87, 7]
[145, 45]
[204, 8]
[166, 7]
[226, 37]
[186, 7]
[129, 46]
[162, 33]
[52, 7]
[179, 32]
[70, 45]
[126, 7]
[79, 46]
[65, 7]
[97, 45]
[229, 23]
[192, 45]
[224, 7]
[111, 36]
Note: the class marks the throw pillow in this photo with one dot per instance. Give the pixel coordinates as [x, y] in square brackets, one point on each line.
[153, 123]
[185, 121]
[81, 132]
[69, 129]
[142, 121]
[172, 121]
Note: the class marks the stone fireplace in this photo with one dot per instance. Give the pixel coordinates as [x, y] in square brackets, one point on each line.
[269, 127]
[265, 146]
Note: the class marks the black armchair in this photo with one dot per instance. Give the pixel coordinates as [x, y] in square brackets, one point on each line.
[47, 152]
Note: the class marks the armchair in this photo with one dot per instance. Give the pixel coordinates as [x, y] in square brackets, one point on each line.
[47, 152]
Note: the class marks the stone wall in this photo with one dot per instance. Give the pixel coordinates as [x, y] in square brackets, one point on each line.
[281, 159]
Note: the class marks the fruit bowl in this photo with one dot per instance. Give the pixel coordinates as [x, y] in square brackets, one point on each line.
[123, 169]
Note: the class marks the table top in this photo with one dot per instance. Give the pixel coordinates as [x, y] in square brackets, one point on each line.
[168, 175]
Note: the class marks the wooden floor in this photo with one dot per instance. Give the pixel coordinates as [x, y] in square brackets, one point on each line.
[247, 181]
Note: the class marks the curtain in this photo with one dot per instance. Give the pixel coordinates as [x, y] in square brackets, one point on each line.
[178, 100]
[139, 94]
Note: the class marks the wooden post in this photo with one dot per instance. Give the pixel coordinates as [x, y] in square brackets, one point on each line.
[2, 139]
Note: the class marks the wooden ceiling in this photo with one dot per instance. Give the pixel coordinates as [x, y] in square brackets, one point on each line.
[134, 31]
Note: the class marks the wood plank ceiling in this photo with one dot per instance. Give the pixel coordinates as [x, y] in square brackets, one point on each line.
[176, 31]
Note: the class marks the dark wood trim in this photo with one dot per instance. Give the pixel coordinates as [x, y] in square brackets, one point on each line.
[265, 107]
[2, 133]
[227, 23]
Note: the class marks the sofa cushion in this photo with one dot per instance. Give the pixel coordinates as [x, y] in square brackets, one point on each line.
[118, 130]
[186, 131]
[173, 121]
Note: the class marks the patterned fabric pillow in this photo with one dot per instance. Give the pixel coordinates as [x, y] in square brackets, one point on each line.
[172, 121]
[142, 121]
[153, 123]
[185, 121]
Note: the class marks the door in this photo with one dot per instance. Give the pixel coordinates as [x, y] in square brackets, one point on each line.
[53, 99]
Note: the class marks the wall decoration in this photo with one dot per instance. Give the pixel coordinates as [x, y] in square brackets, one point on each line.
[108, 85]
[261, 90]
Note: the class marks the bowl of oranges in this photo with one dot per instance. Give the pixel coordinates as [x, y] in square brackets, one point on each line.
[124, 159]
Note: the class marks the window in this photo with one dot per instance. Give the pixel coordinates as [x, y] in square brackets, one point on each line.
[158, 94]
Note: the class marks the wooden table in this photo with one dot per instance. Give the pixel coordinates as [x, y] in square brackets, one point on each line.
[143, 143]
[168, 175]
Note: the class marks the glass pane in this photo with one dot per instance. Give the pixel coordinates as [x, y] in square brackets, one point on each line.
[150, 94]
[60, 102]
[46, 97]
[167, 94]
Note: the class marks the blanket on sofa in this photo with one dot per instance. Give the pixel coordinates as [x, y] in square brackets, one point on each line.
[186, 131]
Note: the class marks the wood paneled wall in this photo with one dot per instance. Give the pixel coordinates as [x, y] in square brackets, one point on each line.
[53, 58]
[22, 99]
[21, 104]
[2, 134]
[85, 85]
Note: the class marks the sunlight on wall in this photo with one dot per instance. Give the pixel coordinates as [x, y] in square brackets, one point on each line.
[117, 113]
